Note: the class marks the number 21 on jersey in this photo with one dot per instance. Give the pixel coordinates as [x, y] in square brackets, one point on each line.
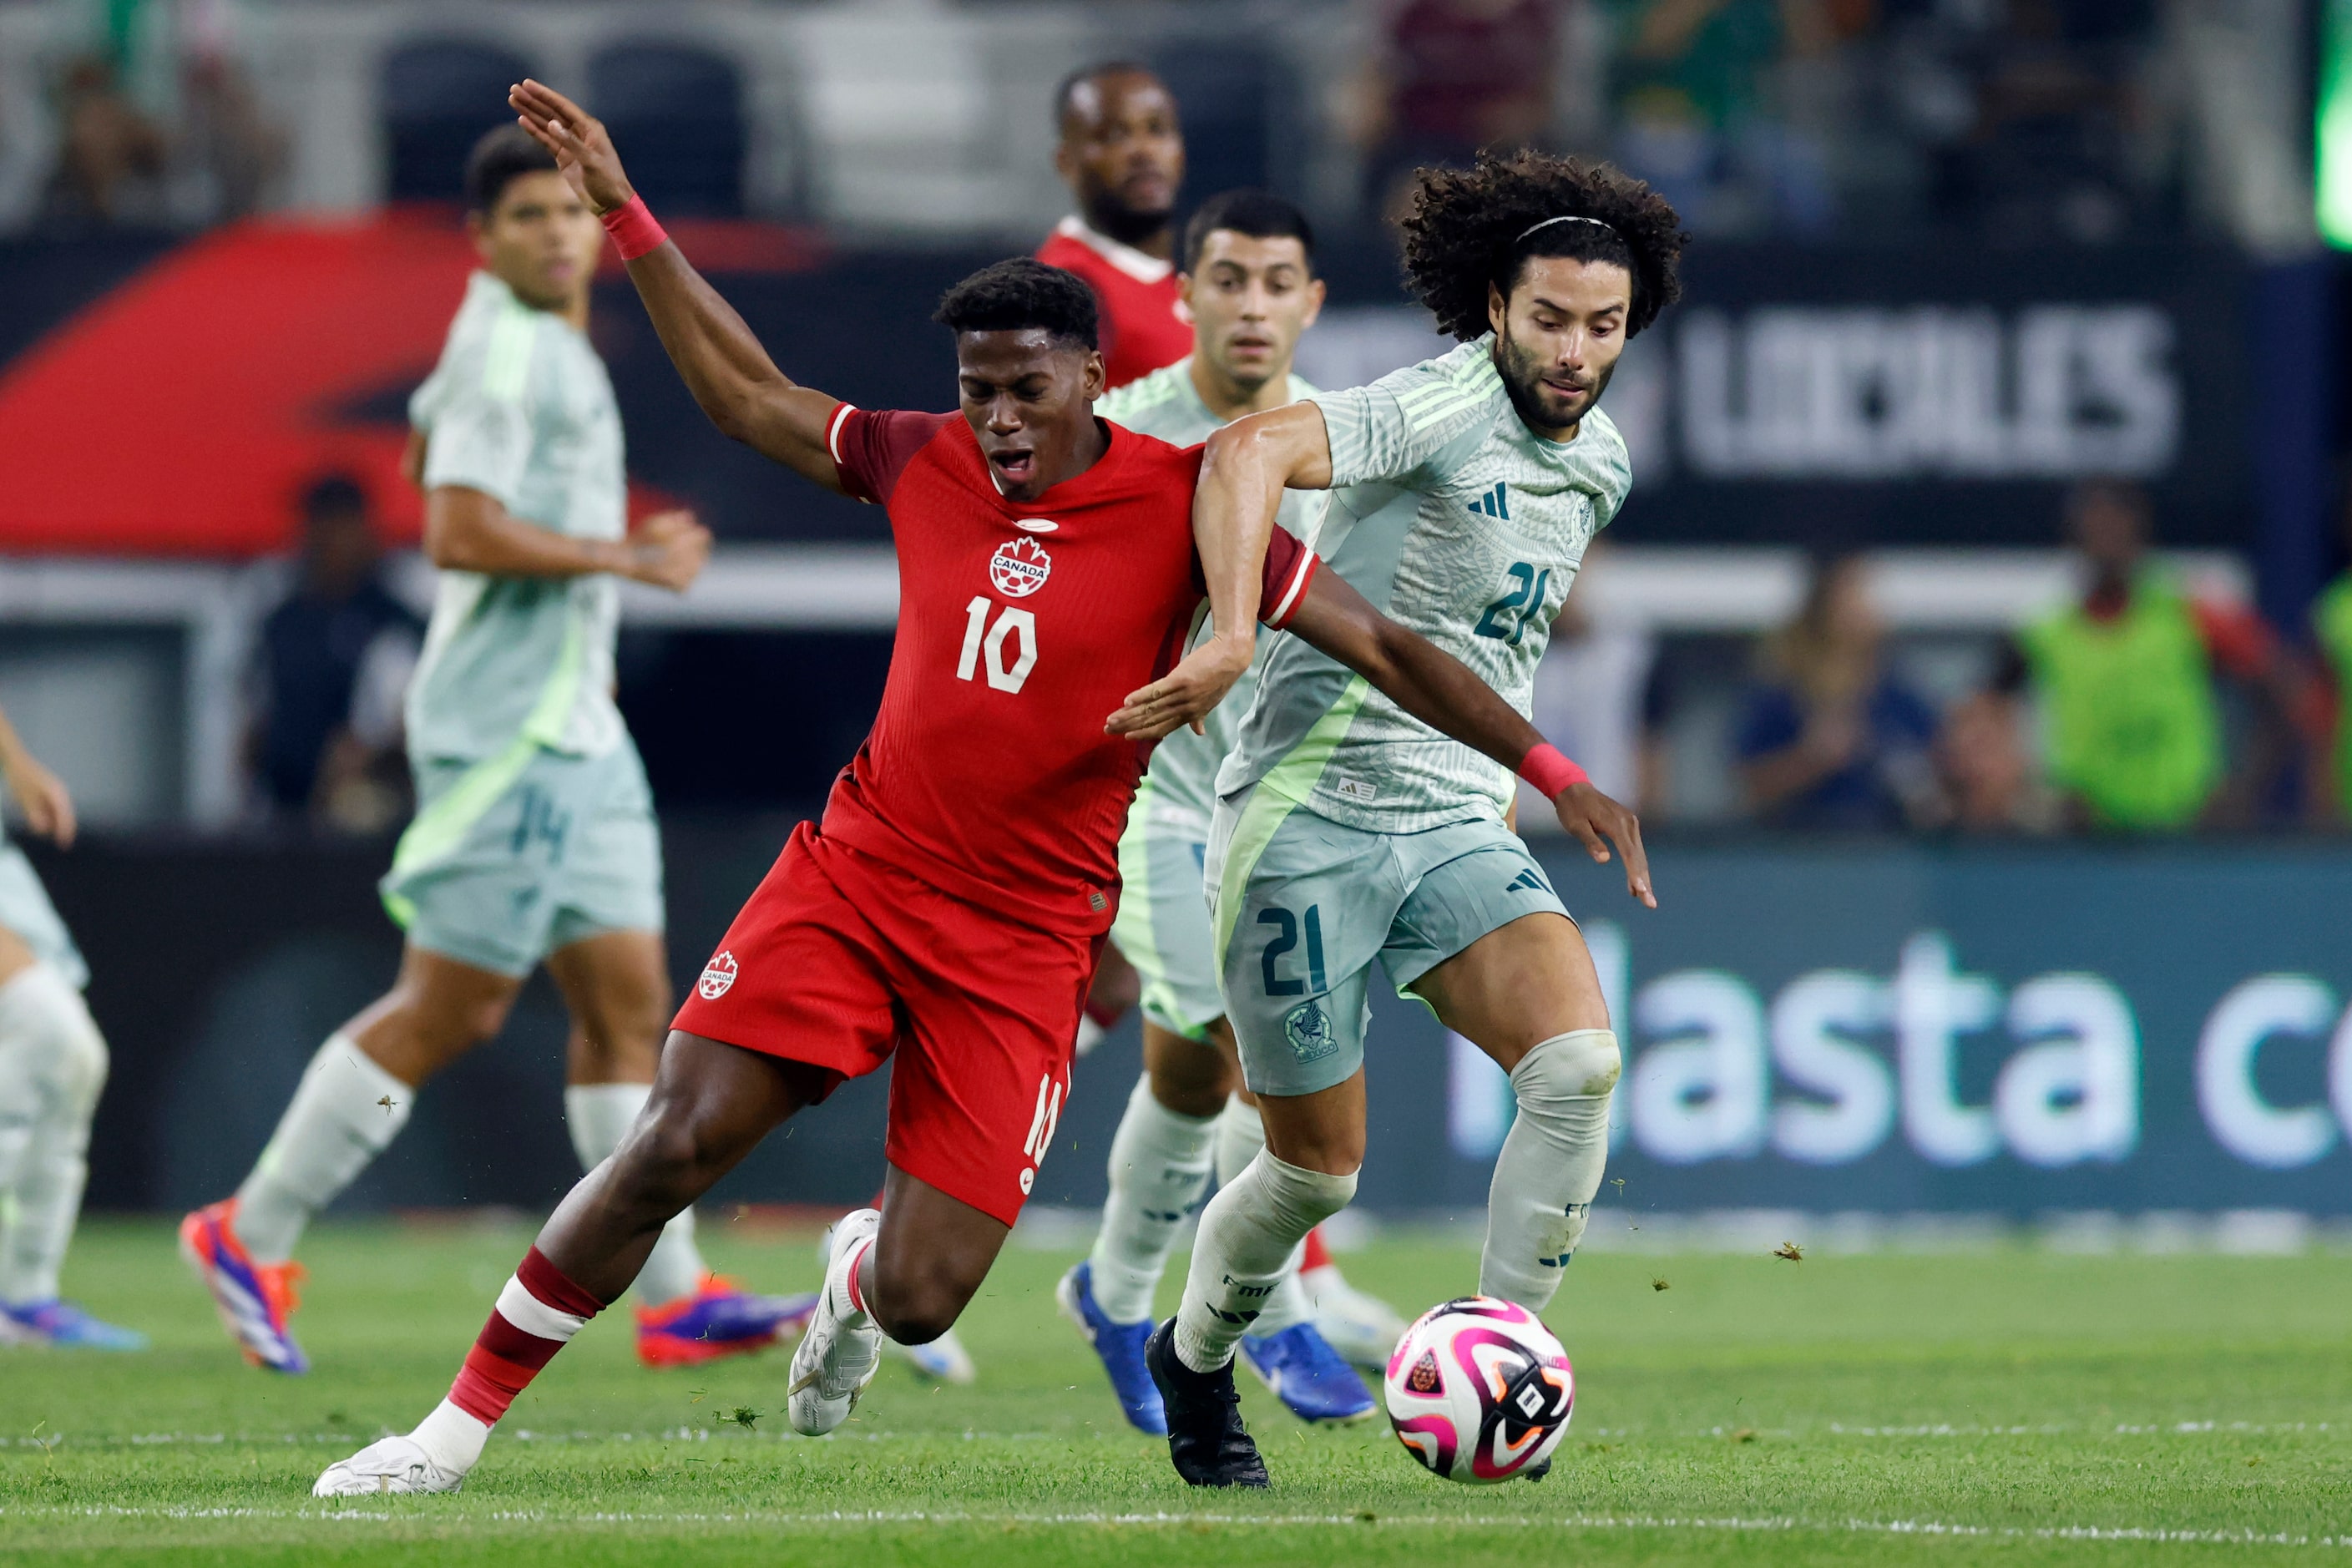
[986, 642]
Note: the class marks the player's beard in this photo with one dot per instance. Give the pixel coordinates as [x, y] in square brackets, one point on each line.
[1111, 216]
[1522, 373]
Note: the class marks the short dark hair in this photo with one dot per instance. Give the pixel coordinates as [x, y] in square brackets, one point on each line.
[1069, 85]
[1018, 294]
[1471, 227]
[1261, 215]
[501, 158]
[333, 495]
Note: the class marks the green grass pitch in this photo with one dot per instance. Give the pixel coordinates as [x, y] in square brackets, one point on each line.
[1998, 1407]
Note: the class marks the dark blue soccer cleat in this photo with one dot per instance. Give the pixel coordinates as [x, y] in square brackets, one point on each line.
[1307, 1374]
[66, 1325]
[1121, 1346]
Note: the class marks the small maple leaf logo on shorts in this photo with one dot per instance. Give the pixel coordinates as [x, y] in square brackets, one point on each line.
[717, 977]
[1019, 568]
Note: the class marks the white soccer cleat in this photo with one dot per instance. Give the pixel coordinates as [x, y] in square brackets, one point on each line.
[835, 1362]
[397, 1465]
[944, 1360]
[1363, 1329]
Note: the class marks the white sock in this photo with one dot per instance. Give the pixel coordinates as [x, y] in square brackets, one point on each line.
[345, 1113]
[1241, 1134]
[1549, 1169]
[1249, 1238]
[451, 1438]
[52, 1068]
[837, 1271]
[1159, 1168]
[599, 1116]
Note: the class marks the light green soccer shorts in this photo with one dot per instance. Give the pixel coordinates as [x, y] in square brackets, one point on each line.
[531, 850]
[1301, 906]
[1163, 914]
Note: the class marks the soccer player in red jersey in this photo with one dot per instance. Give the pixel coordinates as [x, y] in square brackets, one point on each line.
[1122, 154]
[949, 907]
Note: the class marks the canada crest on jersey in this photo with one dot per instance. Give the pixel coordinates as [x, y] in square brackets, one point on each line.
[1019, 568]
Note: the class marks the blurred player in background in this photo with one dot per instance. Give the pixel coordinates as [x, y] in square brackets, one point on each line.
[534, 838]
[1122, 154]
[1251, 287]
[946, 915]
[52, 1066]
[1464, 490]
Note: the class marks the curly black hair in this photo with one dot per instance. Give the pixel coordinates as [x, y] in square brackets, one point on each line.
[1469, 228]
[1011, 296]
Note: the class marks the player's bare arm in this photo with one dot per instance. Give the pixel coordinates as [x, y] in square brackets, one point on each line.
[466, 530]
[48, 805]
[723, 363]
[1245, 468]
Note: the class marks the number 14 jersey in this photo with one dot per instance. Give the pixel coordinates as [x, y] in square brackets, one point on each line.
[1022, 627]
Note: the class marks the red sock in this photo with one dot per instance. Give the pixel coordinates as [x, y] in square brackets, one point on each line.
[537, 1311]
[1316, 1255]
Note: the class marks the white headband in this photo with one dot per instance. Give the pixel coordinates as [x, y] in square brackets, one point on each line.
[1564, 217]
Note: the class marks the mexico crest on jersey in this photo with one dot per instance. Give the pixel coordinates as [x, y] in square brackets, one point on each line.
[1019, 567]
[717, 977]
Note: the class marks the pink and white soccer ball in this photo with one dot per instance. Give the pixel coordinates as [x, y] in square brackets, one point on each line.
[1479, 1390]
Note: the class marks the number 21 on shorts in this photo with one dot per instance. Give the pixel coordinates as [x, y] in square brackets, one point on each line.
[986, 643]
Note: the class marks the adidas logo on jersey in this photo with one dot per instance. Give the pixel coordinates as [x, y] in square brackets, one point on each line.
[1019, 568]
[1493, 504]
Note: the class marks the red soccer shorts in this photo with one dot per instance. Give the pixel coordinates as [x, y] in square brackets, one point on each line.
[840, 960]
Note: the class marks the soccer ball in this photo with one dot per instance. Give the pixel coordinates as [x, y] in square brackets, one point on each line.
[1479, 1390]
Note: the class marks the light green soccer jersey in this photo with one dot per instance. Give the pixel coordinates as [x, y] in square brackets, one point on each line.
[1182, 778]
[521, 408]
[1460, 522]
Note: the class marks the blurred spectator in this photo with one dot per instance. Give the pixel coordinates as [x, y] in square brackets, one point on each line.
[1829, 738]
[1601, 695]
[334, 660]
[1986, 768]
[1697, 116]
[2331, 623]
[2124, 679]
[159, 122]
[109, 156]
[1449, 78]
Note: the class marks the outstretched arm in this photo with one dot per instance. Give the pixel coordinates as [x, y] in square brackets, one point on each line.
[1245, 468]
[1441, 691]
[723, 363]
[466, 530]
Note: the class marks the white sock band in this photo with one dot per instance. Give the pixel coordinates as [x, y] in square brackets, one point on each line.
[1249, 1238]
[451, 1438]
[1240, 1133]
[52, 1069]
[1158, 1169]
[599, 1116]
[346, 1111]
[1549, 1169]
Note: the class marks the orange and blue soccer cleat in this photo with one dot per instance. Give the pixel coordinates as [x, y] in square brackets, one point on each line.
[721, 1319]
[255, 1299]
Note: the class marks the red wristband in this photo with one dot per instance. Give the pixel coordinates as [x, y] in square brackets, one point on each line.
[634, 230]
[1550, 771]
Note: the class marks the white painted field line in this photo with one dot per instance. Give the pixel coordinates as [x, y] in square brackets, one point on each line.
[1774, 1525]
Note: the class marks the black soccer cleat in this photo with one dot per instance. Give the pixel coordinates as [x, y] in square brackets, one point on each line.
[1206, 1440]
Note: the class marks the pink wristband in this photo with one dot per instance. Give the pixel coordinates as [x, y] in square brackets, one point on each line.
[634, 230]
[1547, 768]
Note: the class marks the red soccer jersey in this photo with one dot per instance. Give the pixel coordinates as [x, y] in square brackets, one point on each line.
[1022, 627]
[1143, 321]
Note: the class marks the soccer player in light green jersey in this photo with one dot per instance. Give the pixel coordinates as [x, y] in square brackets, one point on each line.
[1251, 289]
[1464, 492]
[534, 840]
